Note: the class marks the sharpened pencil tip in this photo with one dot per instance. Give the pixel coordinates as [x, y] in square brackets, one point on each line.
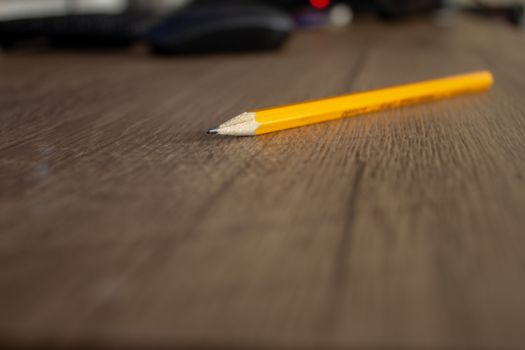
[213, 131]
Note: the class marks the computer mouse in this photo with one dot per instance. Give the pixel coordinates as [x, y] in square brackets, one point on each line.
[219, 26]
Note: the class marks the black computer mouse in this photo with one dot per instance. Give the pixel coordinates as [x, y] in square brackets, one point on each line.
[220, 26]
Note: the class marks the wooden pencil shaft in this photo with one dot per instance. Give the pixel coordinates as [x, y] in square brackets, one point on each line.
[289, 116]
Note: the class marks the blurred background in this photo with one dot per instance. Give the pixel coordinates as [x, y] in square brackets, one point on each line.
[193, 26]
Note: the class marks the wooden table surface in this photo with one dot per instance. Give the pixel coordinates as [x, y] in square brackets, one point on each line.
[123, 225]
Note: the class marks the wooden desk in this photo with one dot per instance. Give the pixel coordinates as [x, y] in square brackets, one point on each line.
[124, 226]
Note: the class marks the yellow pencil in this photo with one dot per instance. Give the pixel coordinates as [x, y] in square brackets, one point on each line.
[262, 121]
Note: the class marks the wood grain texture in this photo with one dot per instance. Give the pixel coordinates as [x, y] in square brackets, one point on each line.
[124, 226]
